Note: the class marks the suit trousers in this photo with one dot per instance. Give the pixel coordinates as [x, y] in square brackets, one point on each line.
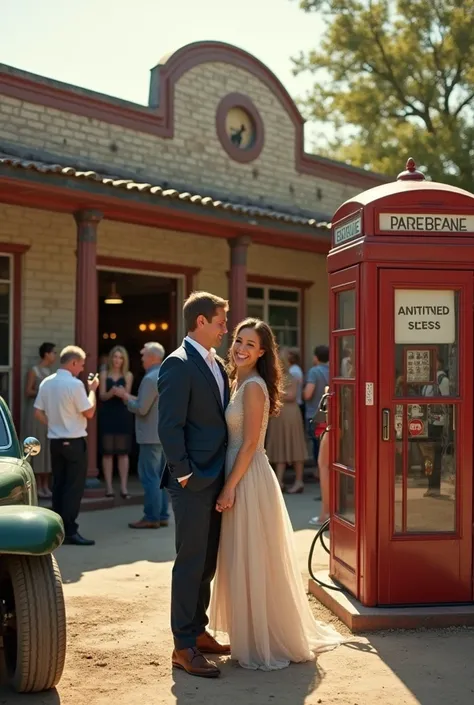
[198, 526]
[69, 470]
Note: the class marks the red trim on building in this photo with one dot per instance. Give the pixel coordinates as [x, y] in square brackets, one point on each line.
[17, 251]
[158, 118]
[279, 281]
[48, 196]
[144, 266]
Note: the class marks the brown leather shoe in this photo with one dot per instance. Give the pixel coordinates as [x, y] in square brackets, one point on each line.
[164, 522]
[193, 662]
[208, 645]
[142, 524]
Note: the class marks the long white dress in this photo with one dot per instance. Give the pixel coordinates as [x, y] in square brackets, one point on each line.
[258, 598]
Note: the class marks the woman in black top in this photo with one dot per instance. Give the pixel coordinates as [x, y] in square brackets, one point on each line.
[116, 422]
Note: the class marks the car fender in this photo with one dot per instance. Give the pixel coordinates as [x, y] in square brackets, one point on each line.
[30, 531]
[15, 488]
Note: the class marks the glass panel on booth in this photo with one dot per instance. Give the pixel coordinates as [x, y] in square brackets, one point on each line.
[431, 468]
[346, 356]
[346, 431]
[346, 498]
[431, 480]
[398, 494]
[346, 310]
[426, 342]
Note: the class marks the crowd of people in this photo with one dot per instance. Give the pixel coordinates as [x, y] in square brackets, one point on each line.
[289, 440]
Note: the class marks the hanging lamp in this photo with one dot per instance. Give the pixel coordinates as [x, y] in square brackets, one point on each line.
[113, 297]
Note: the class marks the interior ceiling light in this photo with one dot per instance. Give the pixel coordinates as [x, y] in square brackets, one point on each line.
[113, 297]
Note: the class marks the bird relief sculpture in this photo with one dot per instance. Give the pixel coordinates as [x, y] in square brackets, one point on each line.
[236, 135]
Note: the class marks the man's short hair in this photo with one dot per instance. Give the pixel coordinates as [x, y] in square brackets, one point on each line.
[322, 353]
[155, 348]
[201, 303]
[71, 352]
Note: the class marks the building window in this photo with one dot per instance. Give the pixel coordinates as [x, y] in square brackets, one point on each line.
[280, 308]
[6, 326]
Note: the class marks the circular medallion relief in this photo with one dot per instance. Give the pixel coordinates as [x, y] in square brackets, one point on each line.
[239, 127]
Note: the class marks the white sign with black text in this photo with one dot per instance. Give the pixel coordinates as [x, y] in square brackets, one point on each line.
[369, 393]
[426, 223]
[348, 231]
[424, 316]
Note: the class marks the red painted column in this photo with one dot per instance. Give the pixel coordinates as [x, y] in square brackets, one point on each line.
[87, 316]
[238, 279]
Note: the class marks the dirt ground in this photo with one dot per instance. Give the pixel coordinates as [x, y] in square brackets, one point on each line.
[119, 644]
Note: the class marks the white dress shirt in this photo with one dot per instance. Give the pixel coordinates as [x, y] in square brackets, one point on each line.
[209, 356]
[63, 398]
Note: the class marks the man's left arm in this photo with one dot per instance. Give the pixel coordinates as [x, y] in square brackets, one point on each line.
[39, 408]
[147, 395]
[41, 416]
[310, 385]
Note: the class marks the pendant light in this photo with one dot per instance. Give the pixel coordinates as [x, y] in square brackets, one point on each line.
[113, 297]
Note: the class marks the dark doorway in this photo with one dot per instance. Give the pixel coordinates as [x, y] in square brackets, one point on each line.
[148, 312]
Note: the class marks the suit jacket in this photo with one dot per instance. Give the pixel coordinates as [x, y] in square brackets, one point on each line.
[191, 424]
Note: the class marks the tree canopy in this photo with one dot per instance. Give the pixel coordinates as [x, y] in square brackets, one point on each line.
[395, 78]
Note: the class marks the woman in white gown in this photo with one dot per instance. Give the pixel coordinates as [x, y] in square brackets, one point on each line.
[258, 596]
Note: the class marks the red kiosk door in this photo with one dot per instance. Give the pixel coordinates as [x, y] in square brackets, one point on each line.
[426, 437]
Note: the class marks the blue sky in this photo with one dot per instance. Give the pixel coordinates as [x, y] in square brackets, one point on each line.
[110, 45]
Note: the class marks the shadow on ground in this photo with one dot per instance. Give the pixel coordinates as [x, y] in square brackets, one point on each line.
[117, 544]
[9, 697]
[434, 665]
[289, 685]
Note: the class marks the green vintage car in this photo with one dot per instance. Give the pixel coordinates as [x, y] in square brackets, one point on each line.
[32, 612]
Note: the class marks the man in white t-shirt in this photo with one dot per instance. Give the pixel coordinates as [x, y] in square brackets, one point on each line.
[63, 405]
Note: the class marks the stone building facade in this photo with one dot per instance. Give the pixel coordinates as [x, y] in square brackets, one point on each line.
[207, 187]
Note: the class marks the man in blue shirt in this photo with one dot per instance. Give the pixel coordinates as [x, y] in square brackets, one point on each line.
[317, 380]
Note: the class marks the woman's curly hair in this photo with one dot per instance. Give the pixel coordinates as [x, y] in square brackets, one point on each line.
[268, 365]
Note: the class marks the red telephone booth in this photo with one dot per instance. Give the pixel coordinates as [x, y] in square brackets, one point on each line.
[401, 273]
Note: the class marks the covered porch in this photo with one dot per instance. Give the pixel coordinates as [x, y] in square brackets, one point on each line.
[174, 219]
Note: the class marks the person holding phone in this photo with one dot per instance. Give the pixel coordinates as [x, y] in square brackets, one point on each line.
[64, 406]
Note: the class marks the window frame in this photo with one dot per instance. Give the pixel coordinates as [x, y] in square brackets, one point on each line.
[266, 302]
[11, 323]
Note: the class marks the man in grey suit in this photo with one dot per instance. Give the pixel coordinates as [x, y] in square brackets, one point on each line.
[194, 392]
[150, 459]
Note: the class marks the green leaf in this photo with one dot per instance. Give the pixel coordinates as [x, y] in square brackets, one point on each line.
[395, 78]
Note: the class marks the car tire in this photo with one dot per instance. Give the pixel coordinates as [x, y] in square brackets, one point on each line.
[34, 633]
